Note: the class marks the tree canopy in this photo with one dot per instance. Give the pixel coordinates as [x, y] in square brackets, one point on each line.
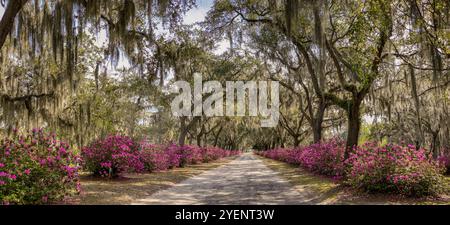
[360, 70]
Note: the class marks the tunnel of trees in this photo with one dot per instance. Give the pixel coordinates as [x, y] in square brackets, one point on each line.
[359, 70]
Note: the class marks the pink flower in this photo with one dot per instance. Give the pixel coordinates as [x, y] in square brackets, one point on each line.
[27, 151]
[106, 164]
[42, 162]
[62, 150]
[4, 174]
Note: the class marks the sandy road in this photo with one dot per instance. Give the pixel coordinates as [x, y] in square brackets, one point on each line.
[243, 181]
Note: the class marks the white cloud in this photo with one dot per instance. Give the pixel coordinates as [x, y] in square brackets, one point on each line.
[195, 15]
[222, 47]
[198, 14]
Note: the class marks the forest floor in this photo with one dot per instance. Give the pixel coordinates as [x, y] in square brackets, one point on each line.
[328, 191]
[131, 187]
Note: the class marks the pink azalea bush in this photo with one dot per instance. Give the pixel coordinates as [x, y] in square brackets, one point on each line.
[174, 154]
[190, 154]
[154, 157]
[36, 168]
[282, 154]
[388, 169]
[163, 157]
[116, 154]
[445, 162]
[394, 169]
[214, 153]
[112, 155]
[324, 158]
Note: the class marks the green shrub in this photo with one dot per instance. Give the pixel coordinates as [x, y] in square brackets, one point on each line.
[36, 168]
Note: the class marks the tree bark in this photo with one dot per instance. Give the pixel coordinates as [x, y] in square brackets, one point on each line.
[183, 132]
[184, 129]
[199, 140]
[435, 143]
[354, 125]
[419, 132]
[200, 133]
[216, 137]
[296, 142]
[7, 22]
[318, 120]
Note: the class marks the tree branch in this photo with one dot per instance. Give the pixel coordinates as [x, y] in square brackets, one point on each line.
[7, 22]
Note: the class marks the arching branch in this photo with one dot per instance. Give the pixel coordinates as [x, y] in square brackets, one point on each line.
[7, 22]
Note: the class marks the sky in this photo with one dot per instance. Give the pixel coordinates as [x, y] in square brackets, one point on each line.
[198, 14]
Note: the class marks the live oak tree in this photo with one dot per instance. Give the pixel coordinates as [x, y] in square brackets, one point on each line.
[346, 48]
[263, 21]
[362, 70]
[50, 35]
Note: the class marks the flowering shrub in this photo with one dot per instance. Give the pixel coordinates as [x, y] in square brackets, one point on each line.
[445, 162]
[112, 155]
[154, 157]
[160, 157]
[214, 153]
[36, 168]
[115, 154]
[324, 158]
[389, 169]
[394, 169]
[174, 154]
[282, 154]
[190, 154]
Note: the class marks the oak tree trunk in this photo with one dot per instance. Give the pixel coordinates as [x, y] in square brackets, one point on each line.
[7, 22]
[317, 122]
[354, 125]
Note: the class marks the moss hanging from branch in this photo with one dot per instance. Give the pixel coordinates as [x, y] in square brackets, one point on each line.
[38, 73]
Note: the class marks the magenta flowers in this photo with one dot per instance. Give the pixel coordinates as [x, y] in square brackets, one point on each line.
[444, 161]
[36, 167]
[387, 169]
[112, 155]
[394, 169]
[325, 158]
[163, 157]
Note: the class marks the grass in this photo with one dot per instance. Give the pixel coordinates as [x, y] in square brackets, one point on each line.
[326, 191]
[131, 187]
